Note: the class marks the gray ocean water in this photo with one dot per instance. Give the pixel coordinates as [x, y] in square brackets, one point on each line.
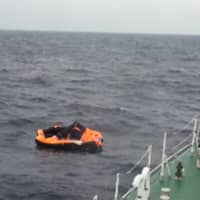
[132, 88]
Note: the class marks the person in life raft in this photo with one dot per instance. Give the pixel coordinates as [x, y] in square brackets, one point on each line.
[73, 131]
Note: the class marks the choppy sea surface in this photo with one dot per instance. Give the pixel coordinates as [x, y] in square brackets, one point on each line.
[132, 88]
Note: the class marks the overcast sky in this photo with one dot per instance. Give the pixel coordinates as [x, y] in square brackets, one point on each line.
[136, 16]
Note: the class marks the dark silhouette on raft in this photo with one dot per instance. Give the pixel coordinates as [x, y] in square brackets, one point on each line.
[74, 131]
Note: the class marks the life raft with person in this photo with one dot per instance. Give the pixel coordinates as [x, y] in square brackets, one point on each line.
[72, 138]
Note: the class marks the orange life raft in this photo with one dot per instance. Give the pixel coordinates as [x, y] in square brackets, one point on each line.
[91, 141]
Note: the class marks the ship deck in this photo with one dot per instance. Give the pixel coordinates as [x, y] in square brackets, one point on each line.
[186, 188]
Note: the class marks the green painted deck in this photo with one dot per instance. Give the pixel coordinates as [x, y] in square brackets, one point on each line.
[186, 189]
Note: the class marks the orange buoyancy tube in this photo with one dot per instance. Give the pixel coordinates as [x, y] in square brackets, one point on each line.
[90, 135]
[49, 140]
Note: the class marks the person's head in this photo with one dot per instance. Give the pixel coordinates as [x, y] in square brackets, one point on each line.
[58, 124]
[76, 123]
[179, 163]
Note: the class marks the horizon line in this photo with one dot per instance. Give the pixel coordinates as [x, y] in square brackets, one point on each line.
[100, 32]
